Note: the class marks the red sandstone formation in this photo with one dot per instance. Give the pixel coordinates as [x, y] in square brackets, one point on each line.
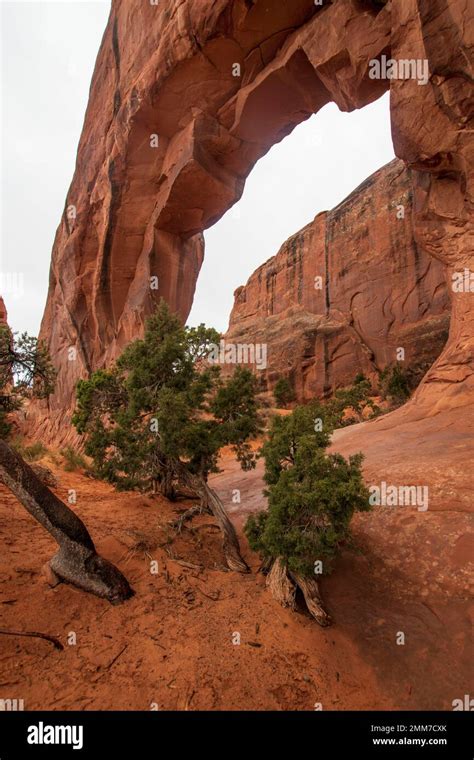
[3, 312]
[344, 293]
[219, 82]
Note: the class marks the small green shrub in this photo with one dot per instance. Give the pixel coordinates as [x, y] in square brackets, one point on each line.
[355, 397]
[394, 384]
[283, 392]
[73, 460]
[31, 453]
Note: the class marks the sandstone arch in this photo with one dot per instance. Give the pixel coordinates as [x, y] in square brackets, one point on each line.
[168, 70]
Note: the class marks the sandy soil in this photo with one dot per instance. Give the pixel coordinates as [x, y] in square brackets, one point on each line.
[172, 645]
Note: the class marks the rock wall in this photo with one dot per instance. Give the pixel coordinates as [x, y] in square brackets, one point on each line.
[217, 83]
[3, 312]
[345, 292]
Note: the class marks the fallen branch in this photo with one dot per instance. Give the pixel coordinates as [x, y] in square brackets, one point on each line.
[114, 660]
[189, 565]
[34, 634]
[215, 596]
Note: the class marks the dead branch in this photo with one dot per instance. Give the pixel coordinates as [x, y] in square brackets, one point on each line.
[34, 634]
[197, 509]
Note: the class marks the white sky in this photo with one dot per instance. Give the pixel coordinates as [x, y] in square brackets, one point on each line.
[48, 55]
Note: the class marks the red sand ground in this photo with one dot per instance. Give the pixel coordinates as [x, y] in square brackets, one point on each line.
[172, 643]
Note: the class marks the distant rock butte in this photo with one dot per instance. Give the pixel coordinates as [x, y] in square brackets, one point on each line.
[134, 211]
[345, 292]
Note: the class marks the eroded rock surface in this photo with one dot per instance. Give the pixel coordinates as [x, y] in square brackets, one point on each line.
[346, 292]
[3, 312]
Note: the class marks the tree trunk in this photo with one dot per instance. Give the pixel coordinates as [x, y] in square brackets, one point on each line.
[266, 566]
[283, 583]
[163, 479]
[280, 585]
[312, 597]
[166, 484]
[77, 561]
[231, 546]
[211, 501]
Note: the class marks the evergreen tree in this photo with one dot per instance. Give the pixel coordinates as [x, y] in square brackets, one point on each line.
[394, 384]
[312, 496]
[163, 413]
[283, 392]
[25, 370]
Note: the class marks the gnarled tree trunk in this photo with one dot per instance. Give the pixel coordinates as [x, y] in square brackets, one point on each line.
[283, 584]
[280, 585]
[312, 597]
[211, 501]
[77, 561]
[231, 546]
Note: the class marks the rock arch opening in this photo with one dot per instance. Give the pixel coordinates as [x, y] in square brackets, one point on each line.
[349, 290]
[219, 83]
[310, 171]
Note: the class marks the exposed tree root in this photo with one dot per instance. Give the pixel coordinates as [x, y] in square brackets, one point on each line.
[211, 502]
[34, 634]
[312, 597]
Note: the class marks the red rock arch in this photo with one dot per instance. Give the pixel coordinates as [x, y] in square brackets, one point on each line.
[134, 211]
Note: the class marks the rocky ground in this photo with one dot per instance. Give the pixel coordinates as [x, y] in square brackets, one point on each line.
[173, 644]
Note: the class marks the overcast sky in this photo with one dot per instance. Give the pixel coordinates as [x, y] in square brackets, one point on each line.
[48, 54]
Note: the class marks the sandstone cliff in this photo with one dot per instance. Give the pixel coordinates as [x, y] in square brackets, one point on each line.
[217, 83]
[3, 312]
[345, 292]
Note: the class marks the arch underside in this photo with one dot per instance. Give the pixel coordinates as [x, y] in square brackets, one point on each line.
[141, 210]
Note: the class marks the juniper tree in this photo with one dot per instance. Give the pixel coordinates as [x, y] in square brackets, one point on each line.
[394, 384]
[312, 496]
[162, 414]
[354, 397]
[25, 368]
[283, 392]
